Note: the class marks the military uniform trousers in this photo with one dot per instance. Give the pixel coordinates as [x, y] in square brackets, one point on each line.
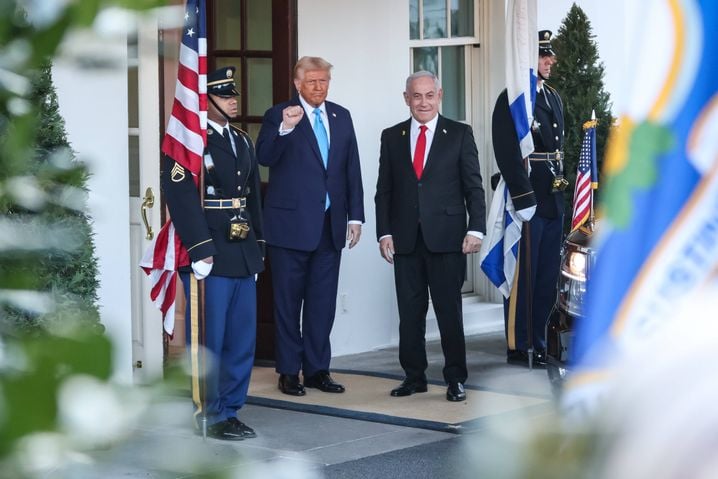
[539, 263]
[230, 334]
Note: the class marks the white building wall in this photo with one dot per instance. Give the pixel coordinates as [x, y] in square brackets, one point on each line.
[367, 44]
[93, 103]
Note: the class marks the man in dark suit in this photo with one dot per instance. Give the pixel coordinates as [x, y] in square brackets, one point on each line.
[428, 180]
[224, 239]
[314, 203]
[538, 198]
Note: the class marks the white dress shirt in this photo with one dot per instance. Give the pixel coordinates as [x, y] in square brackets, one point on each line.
[413, 136]
[220, 129]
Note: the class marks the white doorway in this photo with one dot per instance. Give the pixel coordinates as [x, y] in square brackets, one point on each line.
[144, 195]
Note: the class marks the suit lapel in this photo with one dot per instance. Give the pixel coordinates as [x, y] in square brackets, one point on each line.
[541, 102]
[217, 140]
[404, 140]
[333, 125]
[437, 144]
[555, 106]
[305, 127]
[548, 102]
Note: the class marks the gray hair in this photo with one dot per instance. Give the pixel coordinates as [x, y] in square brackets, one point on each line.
[421, 74]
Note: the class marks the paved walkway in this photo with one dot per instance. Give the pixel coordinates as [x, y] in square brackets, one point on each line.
[299, 445]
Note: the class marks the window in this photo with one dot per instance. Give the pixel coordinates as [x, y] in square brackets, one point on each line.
[441, 34]
[242, 37]
[133, 116]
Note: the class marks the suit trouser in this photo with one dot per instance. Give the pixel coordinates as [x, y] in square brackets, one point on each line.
[539, 263]
[305, 285]
[416, 275]
[230, 334]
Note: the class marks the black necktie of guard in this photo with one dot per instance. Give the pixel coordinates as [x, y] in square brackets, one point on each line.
[225, 135]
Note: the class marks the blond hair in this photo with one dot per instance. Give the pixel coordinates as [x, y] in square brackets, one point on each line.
[311, 63]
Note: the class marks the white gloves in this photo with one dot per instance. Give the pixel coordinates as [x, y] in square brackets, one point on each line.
[201, 269]
[527, 213]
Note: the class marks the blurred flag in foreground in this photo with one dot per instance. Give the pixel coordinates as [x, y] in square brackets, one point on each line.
[586, 177]
[500, 248]
[184, 142]
[658, 239]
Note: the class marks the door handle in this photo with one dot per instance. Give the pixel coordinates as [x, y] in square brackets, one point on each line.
[148, 202]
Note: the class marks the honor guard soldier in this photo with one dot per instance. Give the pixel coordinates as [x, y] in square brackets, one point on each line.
[538, 199]
[223, 236]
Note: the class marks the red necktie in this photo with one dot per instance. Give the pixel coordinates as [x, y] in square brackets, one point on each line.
[419, 152]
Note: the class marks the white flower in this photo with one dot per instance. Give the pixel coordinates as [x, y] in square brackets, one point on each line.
[93, 412]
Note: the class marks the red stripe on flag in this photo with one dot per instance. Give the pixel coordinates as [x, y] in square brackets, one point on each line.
[190, 119]
[188, 77]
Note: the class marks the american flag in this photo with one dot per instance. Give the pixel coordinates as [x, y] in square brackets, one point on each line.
[186, 134]
[184, 142]
[586, 177]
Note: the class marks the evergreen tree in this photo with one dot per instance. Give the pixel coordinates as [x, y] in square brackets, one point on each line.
[578, 77]
[66, 269]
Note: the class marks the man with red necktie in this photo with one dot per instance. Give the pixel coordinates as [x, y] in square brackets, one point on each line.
[428, 180]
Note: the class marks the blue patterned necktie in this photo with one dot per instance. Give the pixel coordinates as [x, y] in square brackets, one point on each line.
[323, 140]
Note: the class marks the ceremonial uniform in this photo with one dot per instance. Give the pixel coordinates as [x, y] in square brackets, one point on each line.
[227, 227]
[534, 294]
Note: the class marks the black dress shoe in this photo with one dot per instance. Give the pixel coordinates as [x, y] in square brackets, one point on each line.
[514, 356]
[241, 429]
[409, 387]
[289, 384]
[230, 430]
[540, 359]
[324, 382]
[455, 392]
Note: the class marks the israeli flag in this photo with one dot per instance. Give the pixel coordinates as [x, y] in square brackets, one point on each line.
[521, 62]
[500, 247]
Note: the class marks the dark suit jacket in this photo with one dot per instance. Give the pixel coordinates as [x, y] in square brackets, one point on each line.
[204, 232]
[298, 181]
[450, 187]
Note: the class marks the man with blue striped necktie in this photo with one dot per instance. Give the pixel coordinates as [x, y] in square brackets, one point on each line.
[313, 206]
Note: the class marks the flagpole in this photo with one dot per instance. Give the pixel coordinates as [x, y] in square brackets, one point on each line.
[591, 217]
[529, 297]
[202, 328]
[202, 93]
[529, 288]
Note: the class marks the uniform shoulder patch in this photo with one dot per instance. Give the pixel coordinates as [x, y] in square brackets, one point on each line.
[177, 174]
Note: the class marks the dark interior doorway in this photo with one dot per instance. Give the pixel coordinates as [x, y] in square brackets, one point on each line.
[259, 38]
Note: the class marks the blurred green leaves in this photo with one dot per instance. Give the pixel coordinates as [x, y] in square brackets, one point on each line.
[33, 371]
[55, 361]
